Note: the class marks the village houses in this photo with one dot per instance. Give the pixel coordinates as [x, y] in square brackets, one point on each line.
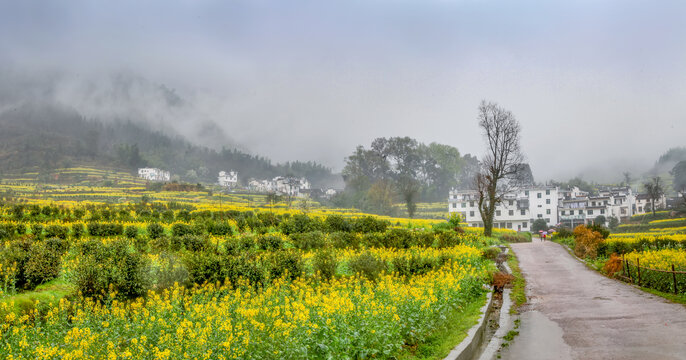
[154, 174]
[228, 179]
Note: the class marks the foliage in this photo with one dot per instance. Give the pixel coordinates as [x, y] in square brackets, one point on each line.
[516, 237]
[43, 264]
[367, 265]
[308, 241]
[404, 167]
[586, 242]
[106, 270]
[539, 225]
[613, 265]
[155, 230]
[325, 264]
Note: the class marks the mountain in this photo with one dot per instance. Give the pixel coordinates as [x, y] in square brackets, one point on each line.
[40, 136]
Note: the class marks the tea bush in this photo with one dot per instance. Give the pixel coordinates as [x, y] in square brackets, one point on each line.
[325, 264]
[367, 265]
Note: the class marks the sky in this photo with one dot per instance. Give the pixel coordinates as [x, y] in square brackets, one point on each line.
[598, 86]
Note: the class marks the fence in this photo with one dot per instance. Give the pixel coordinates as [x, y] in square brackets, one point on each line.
[662, 280]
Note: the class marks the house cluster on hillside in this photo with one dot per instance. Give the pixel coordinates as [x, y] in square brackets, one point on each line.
[567, 207]
[154, 174]
[283, 185]
[228, 179]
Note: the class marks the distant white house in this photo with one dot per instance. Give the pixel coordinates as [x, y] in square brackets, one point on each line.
[331, 192]
[154, 174]
[227, 179]
[281, 184]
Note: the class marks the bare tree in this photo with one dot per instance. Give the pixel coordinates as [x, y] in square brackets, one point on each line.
[501, 162]
[655, 190]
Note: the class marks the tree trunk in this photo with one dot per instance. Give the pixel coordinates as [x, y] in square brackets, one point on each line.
[652, 201]
[488, 219]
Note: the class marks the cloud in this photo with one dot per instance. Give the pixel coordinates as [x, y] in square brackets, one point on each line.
[593, 83]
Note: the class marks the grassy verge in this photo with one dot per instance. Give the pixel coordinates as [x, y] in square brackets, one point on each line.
[679, 299]
[444, 339]
[518, 294]
[46, 294]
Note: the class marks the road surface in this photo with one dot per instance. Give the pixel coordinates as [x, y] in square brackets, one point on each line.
[576, 313]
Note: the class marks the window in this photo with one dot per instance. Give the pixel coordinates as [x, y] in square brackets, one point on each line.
[547, 221]
[471, 203]
[511, 212]
[540, 216]
[509, 225]
[593, 203]
[511, 202]
[547, 211]
[547, 192]
[464, 204]
[497, 213]
[563, 212]
[590, 212]
[454, 205]
[539, 195]
[602, 211]
[571, 212]
[547, 201]
[525, 225]
[523, 212]
[526, 193]
[471, 213]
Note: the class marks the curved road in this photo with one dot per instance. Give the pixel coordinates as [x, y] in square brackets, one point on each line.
[576, 313]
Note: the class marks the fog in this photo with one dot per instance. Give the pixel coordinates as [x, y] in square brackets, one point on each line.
[598, 87]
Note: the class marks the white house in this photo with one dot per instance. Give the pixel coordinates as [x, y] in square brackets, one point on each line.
[330, 192]
[154, 174]
[577, 207]
[644, 205]
[228, 179]
[281, 184]
[517, 211]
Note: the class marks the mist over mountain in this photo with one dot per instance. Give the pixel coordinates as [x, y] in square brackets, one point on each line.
[40, 136]
[116, 96]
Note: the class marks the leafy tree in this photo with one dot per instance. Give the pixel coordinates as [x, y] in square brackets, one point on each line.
[538, 225]
[380, 196]
[613, 223]
[600, 220]
[679, 173]
[415, 171]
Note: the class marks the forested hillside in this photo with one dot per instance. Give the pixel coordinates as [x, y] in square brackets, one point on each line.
[40, 137]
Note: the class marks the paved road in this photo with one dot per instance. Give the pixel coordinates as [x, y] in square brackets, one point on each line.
[576, 313]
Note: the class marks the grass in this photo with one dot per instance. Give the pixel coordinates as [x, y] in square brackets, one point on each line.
[46, 294]
[444, 339]
[679, 299]
[518, 294]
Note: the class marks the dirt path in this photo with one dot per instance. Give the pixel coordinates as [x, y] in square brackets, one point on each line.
[576, 313]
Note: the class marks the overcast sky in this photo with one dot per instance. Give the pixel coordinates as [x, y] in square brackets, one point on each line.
[592, 82]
